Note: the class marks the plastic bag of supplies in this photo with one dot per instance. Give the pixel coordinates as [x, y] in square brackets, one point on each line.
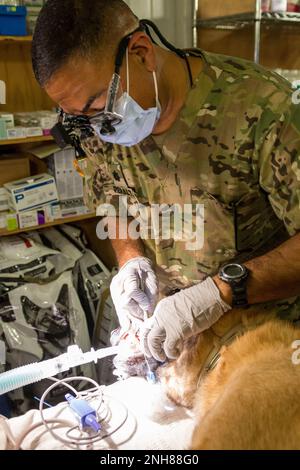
[39, 322]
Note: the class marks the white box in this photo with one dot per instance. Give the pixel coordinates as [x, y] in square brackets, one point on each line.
[28, 219]
[4, 199]
[68, 181]
[40, 216]
[32, 193]
[73, 208]
[3, 219]
[52, 212]
[33, 131]
[78, 212]
[47, 119]
[16, 133]
[42, 119]
[26, 120]
[9, 120]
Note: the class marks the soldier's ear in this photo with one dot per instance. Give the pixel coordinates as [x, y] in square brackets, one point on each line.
[142, 47]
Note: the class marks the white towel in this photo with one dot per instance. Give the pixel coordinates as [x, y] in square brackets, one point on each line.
[149, 426]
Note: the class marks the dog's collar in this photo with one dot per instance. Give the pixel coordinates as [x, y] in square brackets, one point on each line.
[215, 354]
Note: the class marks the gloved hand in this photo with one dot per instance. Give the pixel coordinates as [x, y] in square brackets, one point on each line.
[184, 314]
[134, 291]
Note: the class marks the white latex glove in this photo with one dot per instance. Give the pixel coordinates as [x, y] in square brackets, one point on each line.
[184, 314]
[134, 291]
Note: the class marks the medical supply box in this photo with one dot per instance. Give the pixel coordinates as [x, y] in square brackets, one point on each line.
[32, 193]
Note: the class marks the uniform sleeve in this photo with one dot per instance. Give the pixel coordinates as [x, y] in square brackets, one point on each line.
[107, 179]
[279, 163]
[94, 168]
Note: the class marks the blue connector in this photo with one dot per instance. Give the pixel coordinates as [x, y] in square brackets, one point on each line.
[151, 377]
[86, 414]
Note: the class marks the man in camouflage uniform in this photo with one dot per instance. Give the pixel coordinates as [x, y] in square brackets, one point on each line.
[233, 147]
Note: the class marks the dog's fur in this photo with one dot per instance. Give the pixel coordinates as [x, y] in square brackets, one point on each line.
[251, 399]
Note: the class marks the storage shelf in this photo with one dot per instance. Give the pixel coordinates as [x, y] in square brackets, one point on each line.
[28, 140]
[65, 220]
[15, 39]
[248, 19]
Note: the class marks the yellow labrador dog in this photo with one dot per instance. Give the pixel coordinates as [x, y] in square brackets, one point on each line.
[242, 382]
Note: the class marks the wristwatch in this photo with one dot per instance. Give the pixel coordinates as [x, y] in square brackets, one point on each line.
[236, 276]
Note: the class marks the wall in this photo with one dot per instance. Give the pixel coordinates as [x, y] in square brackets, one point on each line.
[173, 17]
[23, 92]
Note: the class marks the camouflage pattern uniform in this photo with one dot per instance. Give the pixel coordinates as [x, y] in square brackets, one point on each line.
[234, 148]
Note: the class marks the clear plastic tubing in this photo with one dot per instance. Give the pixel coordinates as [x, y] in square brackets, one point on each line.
[38, 371]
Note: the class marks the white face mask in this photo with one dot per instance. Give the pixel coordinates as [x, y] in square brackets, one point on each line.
[137, 123]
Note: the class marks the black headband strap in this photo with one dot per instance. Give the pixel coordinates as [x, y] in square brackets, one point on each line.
[147, 24]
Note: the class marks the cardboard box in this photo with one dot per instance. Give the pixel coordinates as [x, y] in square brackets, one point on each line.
[32, 193]
[68, 181]
[211, 9]
[13, 167]
[60, 164]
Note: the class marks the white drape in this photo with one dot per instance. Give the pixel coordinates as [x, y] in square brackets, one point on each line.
[173, 17]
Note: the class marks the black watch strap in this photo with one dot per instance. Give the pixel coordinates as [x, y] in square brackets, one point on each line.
[236, 276]
[239, 294]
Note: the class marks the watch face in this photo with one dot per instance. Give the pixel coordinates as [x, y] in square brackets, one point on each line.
[234, 271]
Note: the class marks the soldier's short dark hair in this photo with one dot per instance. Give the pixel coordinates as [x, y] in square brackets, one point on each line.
[77, 28]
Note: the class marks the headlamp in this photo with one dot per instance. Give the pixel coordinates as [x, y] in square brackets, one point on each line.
[70, 130]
